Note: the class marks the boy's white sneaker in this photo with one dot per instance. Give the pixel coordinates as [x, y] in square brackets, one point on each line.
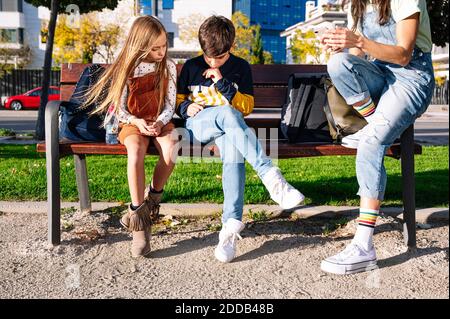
[352, 259]
[226, 249]
[280, 190]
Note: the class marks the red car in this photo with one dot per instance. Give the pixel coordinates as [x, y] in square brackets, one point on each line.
[31, 99]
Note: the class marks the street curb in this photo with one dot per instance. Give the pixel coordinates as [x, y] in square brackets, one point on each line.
[423, 215]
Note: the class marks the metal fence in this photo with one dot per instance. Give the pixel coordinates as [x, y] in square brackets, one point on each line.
[440, 95]
[21, 81]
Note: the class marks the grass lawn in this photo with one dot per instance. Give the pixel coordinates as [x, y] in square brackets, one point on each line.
[324, 180]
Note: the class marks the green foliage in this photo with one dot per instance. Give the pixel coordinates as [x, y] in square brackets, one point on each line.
[6, 132]
[304, 46]
[248, 43]
[244, 36]
[258, 216]
[257, 47]
[80, 45]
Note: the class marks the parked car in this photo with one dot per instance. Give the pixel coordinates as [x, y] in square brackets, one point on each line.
[30, 99]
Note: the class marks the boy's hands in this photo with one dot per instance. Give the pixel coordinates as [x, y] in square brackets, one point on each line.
[213, 74]
[193, 109]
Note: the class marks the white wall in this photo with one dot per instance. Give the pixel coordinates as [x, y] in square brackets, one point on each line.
[32, 34]
[13, 20]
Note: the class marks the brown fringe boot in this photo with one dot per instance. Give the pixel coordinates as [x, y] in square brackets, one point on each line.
[140, 223]
[152, 200]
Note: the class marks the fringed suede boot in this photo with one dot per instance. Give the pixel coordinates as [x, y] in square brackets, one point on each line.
[152, 200]
[139, 224]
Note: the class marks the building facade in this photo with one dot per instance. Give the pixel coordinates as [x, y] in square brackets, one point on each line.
[327, 14]
[20, 27]
[274, 16]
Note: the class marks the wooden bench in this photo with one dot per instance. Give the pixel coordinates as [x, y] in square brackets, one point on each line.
[270, 83]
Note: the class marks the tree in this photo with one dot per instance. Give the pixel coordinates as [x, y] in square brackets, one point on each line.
[244, 36]
[13, 58]
[304, 45]
[268, 58]
[438, 12]
[59, 6]
[189, 26]
[257, 47]
[80, 45]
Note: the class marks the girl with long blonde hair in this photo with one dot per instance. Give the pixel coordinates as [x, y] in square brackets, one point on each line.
[141, 97]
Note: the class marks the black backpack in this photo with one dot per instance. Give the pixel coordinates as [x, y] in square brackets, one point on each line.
[302, 116]
[76, 124]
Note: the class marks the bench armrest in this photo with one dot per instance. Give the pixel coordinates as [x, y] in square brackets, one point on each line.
[52, 125]
[53, 170]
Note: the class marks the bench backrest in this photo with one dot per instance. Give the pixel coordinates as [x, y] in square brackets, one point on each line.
[269, 81]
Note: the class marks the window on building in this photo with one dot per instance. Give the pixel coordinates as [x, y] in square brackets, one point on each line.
[167, 4]
[11, 5]
[170, 38]
[11, 36]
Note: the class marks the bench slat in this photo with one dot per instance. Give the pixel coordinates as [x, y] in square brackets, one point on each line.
[285, 150]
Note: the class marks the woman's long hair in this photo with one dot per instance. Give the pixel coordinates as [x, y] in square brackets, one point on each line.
[359, 8]
[143, 34]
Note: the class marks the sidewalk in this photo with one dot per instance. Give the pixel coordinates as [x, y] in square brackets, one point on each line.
[276, 258]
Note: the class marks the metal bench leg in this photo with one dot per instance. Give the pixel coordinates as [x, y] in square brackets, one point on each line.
[53, 172]
[409, 188]
[82, 183]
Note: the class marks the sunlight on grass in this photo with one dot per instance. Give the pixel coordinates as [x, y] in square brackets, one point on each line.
[327, 180]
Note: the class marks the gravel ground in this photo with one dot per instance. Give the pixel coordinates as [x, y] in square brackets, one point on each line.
[277, 258]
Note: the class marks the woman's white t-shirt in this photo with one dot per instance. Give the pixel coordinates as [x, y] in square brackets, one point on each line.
[402, 9]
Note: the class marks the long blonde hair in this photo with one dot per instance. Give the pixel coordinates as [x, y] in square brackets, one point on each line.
[143, 34]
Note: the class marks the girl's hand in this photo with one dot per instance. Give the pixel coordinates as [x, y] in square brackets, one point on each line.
[141, 124]
[213, 74]
[342, 38]
[155, 128]
[193, 109]
[324, 36]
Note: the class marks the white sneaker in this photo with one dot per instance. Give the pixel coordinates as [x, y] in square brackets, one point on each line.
[226, 249]
[352, 259]
[352, 141]
[280, 190]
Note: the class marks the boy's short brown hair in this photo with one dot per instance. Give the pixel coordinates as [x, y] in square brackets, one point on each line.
[216, 35]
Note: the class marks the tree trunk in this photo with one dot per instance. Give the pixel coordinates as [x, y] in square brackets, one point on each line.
[40, 124]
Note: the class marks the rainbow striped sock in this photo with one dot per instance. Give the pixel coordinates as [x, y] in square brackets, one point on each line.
[367, 109]
[367, 217]
[366, 226]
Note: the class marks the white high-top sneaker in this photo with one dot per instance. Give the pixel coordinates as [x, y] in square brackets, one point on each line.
[280, 190]
[352, 259]
[352, 141]
[226, 249]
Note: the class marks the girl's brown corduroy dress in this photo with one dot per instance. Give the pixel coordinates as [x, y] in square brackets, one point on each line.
[143, 101]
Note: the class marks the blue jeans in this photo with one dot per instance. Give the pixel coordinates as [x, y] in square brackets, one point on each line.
[236, 142]
[401, 94]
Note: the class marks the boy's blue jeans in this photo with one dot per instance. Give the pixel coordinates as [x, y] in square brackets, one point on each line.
[401, 93]
[236, 142]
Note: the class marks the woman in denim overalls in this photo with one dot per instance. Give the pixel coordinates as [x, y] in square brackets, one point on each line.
[392, 88]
